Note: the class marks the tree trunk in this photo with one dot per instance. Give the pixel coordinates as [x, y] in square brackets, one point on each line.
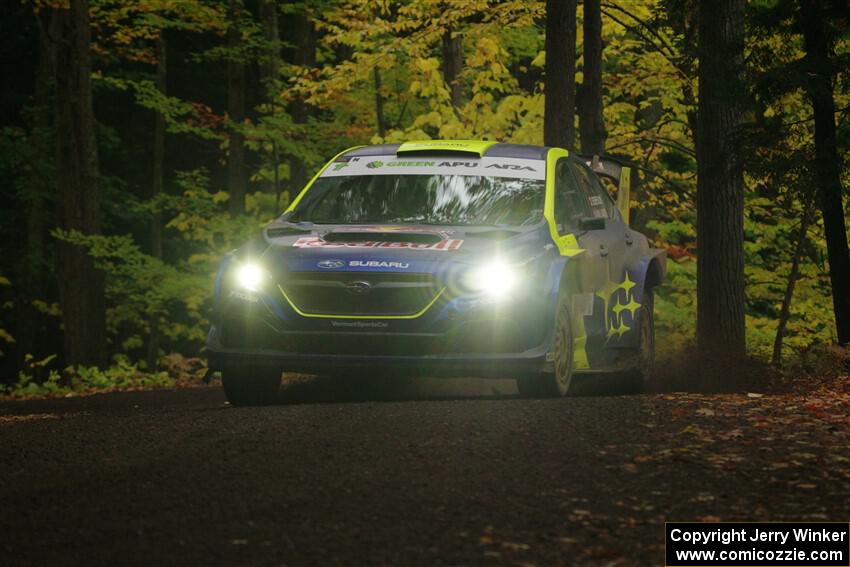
[560, 71]
[81, 286]
[453, 64]
[720, 182]
[160, 81]
[304, 40]
[269, 63]
[236, 111]
[269, 73]
[793, 276]
[33, 281]
[379, 104]
[827, 164]
[591, 123]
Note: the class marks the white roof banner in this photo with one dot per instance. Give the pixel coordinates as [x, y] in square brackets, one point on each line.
[393, 165]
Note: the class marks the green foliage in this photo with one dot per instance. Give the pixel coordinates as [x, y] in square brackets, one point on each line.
[140, 287]
[122, 375]
[676, 308]
[649, 80]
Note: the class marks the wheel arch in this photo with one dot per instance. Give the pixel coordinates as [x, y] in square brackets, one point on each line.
[650, 272]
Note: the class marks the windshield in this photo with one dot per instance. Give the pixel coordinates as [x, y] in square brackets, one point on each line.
[422, 199]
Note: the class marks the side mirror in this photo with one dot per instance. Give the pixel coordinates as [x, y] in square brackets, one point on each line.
[591, 223]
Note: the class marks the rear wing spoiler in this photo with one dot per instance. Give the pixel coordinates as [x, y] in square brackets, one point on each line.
[619, 173]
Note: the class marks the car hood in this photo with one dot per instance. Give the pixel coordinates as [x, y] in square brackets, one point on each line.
[419, 248]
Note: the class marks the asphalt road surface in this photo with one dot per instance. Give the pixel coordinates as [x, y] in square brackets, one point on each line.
[454, 473]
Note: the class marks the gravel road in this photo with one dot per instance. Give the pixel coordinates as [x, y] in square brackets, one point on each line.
[459, 473]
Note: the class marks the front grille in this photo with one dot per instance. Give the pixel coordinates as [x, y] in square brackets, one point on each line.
[359, 344]
[250, 331]
[369, 344]
[367, 294]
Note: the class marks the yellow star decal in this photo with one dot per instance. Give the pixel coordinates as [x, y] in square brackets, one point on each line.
[607, 291]
[608, 294]
[627, 284]
[620, 330]
[618, 308]
[632, 306]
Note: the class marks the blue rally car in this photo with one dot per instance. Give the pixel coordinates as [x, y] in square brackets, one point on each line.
[441, 258]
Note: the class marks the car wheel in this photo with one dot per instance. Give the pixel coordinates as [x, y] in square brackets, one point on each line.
[556, 383]
[645, 355]
[251, 386]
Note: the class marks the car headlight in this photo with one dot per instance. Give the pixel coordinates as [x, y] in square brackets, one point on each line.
[496, 279]
[250, 276]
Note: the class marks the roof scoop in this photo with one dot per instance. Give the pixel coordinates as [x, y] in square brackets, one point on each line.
[412, 236]
[460, 148]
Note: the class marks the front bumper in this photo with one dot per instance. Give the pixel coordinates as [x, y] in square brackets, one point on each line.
[487, 348]
[477, 365]
[455, 336]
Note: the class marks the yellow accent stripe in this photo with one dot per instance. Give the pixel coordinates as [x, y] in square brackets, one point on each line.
[323, 316]
[310, 183]
[624, 193]
[567, 244]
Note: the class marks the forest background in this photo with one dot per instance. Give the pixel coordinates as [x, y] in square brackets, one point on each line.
[210, 115]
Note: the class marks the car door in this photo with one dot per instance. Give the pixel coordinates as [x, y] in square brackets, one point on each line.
[610, 240]
[571, 206]
[588, 317]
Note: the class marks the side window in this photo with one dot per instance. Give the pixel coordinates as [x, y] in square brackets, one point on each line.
[597, 197]
[570, 202]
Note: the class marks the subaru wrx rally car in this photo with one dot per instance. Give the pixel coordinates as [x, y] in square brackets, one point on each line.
[441, 258]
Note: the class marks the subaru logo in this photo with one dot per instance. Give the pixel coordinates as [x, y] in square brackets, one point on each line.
[331, 264]
[358, 287]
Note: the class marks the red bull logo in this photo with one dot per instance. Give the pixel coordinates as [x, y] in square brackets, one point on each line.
[316, 242]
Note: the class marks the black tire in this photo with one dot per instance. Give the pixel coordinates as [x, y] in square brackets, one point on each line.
[251, 386]
[644, 357]
[554, 384]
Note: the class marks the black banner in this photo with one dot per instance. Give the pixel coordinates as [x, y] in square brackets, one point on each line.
[768, 544]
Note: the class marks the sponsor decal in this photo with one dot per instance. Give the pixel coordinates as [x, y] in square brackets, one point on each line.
[378, 264]
[517, 168]
[458, 164]
[361, 324]
[511, 166]
[316, 242]
[331, 264]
